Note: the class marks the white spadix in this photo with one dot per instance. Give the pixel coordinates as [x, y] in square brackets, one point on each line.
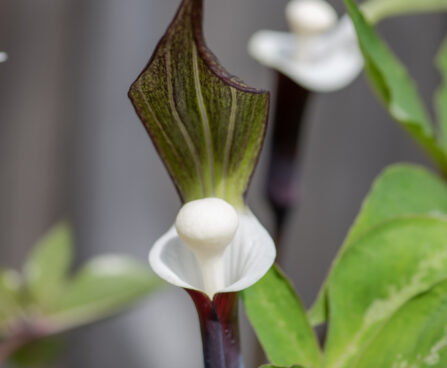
[213, 227]
[207, 226]
[309, 19]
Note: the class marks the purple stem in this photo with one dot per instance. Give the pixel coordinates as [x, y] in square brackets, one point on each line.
[282, 179]
[219, 327]
[26, 333]
[9, 347]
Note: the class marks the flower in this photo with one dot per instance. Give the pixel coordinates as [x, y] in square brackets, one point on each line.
[208, 127]
[3, 56]
[321, 54]
[247, 257]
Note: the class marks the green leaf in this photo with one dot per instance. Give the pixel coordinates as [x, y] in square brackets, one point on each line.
[46, 269]
[207, 125]
[377, 275]
[394, 86]
[105, 286]
[416, 336]
[10, 301]
[38, 354]
[400, 190]
[280, 322]
[376, 10]
[441, 96]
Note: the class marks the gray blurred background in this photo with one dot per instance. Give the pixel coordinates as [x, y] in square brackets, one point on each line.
[72, 147]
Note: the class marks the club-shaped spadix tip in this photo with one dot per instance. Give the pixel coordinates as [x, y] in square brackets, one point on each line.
[207, 225]
[310, 17]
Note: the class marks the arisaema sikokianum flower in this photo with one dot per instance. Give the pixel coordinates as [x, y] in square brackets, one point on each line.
[3, 56]
[321, 53]
[208, 128]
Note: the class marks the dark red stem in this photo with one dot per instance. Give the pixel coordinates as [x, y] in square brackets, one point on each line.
[219, 328]
[282, 178]
[24, 334]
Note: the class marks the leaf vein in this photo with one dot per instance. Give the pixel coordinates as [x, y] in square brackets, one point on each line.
[160, 127]
[180, 123]
[230, 135]
[203, 115]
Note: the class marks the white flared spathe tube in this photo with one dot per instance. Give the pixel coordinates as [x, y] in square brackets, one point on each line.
[3, 56]
[246, 260]
[333, 59]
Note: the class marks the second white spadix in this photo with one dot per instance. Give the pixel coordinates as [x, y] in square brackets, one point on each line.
[207, 226]
[308, 19]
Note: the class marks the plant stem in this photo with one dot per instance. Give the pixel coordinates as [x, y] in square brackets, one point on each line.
[219, 327]
[7, 348]
[14, 342]
[282, 178]
[24, 333]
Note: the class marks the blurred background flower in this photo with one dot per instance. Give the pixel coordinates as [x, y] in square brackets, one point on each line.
[71, 145]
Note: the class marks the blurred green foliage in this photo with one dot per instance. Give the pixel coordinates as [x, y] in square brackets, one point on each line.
[385, 298]
[47, 299]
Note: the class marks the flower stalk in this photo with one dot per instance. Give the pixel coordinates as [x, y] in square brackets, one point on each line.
[219, 328]
[288, 125]
[25, 333]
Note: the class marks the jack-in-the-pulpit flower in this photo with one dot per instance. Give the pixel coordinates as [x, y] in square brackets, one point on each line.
[3, 56]
[321, 53]
[208, 127]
